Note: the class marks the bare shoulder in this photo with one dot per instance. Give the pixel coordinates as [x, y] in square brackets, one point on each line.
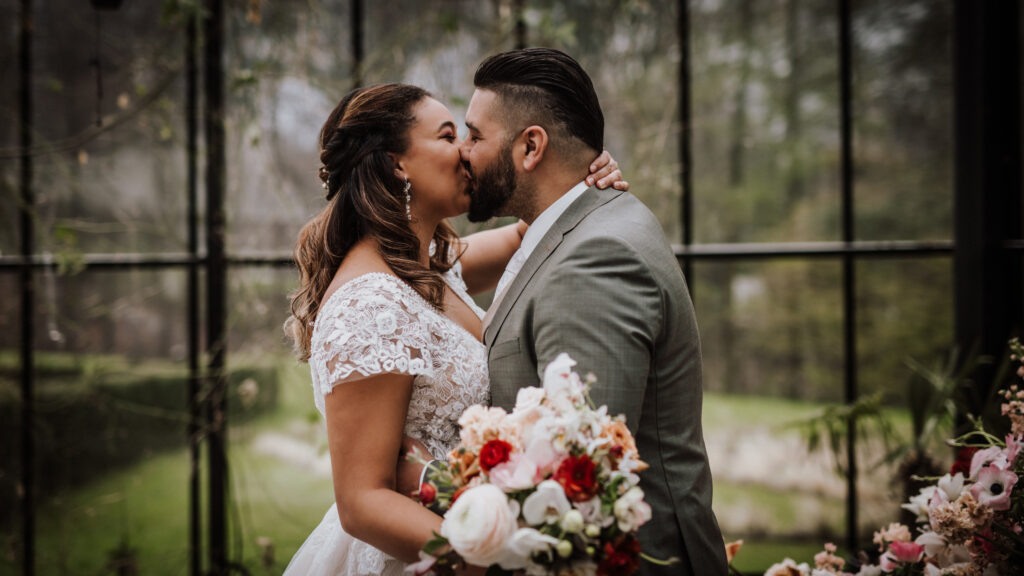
[361, 260]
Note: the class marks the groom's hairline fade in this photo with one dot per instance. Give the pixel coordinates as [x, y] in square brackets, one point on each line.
[547, 87]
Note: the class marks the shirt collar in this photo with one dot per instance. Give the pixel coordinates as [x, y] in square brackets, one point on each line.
[548, 217]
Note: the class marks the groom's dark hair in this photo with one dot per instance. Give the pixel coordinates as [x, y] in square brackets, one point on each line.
[547, 87]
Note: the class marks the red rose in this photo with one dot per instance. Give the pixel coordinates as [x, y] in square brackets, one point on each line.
[493, 453]
[427, 494]
[621, 557]
[963, 461]
[578, 478]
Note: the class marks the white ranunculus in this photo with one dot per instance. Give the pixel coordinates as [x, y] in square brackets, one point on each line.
[480, 523]
[522, 545]
[631, 511]
[547, 504]
[870, 570]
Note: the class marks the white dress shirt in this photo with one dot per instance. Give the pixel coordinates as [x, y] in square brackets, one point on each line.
[536, 231]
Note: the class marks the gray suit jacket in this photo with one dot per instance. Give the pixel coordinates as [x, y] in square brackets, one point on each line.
[604, 286]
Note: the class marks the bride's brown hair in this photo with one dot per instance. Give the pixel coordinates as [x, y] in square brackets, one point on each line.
[365, 198]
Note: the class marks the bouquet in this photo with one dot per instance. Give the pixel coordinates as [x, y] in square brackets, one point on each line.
[550, 488]
[969, 523]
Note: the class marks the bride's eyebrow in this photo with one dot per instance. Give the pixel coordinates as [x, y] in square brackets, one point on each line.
[448, 124]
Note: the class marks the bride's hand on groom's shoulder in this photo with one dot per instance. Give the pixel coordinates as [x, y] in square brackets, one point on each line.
[605, 173]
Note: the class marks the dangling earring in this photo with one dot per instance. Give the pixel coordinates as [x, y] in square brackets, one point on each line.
[408, 199]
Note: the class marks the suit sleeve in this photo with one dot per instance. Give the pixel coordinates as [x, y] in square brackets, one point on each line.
[602, 306]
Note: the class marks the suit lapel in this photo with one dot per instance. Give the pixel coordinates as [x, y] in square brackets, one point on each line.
[569, 219]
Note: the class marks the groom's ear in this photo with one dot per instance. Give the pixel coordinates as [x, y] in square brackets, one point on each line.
[535, 144]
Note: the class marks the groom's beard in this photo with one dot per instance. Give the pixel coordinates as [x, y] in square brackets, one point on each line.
[493, 188]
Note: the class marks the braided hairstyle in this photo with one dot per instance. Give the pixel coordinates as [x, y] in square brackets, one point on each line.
[365, 197]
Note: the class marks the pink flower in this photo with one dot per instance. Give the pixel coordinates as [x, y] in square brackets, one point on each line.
[901, 553]
[983, 458]
[1013, 446]
[993, 487]
[519, 473]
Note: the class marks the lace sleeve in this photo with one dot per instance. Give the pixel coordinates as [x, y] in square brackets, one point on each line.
[369, 327]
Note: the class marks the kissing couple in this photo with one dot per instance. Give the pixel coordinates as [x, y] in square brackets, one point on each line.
[397, 348]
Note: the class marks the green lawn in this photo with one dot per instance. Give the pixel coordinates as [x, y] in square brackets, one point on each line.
[144, 506]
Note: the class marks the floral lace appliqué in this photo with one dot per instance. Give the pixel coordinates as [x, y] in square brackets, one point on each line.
[377, 324]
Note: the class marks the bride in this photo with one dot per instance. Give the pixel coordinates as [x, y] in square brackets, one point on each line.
[384, 317]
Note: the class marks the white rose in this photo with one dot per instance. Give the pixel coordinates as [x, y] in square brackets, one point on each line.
[547, 504]
[521, 547]
[479, 524]
[631, 511]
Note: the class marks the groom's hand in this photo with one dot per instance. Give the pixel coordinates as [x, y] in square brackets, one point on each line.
[409, 470]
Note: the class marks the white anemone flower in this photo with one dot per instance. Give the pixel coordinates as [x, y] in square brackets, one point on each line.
[547, 504]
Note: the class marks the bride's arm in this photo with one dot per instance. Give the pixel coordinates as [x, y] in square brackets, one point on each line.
[487, 253]
[365, 419]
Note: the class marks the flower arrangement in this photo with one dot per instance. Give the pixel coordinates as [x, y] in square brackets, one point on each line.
[969, 523]
[550, 488]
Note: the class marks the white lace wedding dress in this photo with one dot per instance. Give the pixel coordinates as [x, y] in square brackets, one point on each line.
[377, 324]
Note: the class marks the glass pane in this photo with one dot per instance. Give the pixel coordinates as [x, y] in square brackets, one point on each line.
[772, 346]
[903, 110]
[9, 138]
[438, 45]
[631, 52]
[118, 186]
[905, 315]
[905, 333]
[765, 120]
[288, 64]
[110, 428]
[280, 468]
[10, 424]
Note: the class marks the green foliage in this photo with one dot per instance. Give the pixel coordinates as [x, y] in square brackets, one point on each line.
[91, 418]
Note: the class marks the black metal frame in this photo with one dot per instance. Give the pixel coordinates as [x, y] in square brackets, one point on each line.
[996, 245]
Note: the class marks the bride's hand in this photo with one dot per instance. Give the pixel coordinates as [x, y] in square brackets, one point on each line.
[604, 170]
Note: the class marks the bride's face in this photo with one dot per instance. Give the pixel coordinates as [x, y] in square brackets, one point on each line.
[440, 184]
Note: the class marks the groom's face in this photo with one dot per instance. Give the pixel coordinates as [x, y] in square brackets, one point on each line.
[487, 154]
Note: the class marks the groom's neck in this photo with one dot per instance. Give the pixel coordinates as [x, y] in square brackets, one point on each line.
[551, 183]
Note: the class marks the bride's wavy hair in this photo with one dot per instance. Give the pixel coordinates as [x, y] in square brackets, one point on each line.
[365, 198]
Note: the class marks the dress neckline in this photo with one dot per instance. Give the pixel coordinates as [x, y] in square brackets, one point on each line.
[409, 289]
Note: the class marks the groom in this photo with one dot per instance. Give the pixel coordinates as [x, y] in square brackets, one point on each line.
[596, 278]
